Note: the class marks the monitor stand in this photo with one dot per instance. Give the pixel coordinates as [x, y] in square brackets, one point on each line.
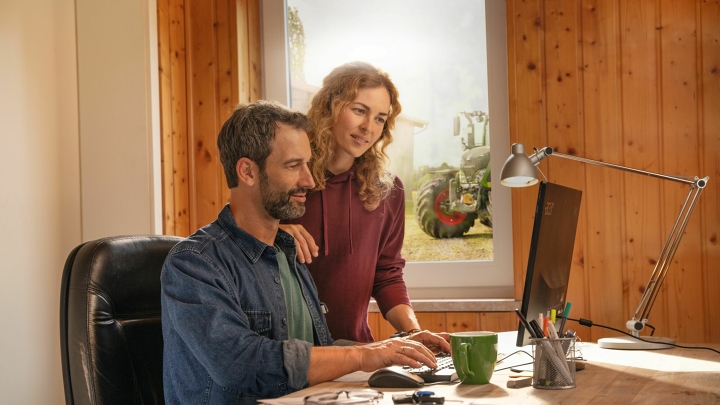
[629, 343]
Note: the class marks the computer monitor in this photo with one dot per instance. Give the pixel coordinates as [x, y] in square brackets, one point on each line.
[551, 249]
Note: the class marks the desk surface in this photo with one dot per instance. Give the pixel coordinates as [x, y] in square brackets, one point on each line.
[617, 377]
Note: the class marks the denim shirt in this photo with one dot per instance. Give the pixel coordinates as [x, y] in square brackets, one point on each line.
[224, 318]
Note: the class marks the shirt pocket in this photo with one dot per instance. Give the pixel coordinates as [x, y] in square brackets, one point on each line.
[260, 321]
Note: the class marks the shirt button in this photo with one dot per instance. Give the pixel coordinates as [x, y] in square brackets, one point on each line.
[277, 280]
[284, 321]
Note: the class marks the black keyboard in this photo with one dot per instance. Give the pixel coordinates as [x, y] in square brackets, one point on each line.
[445, 371]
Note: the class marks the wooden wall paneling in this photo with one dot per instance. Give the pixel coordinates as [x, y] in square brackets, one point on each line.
[603, 141]
[166, 159]
[243, 51]
[709, 209]
[372, 320]
[433, 321]
[385, 330]
[461, 321]
[202, 93]
[564, 118]
[227, 77]
[680, 155]
[254, 51]
[179, 121]
[639, 99]
[173, 122]
[526, 105]
[497, 321]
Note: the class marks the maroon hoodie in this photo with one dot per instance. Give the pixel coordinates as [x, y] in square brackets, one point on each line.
[359, 253]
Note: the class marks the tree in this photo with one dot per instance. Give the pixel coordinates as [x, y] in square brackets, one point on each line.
[296, 32]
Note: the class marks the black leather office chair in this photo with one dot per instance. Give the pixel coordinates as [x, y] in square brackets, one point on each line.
[110, 330]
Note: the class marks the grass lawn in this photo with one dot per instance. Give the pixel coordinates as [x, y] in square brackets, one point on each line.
[477, 244]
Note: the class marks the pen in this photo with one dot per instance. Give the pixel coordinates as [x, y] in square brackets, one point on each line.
[553, 313]
[525, 324]
[545, 322]
[565, 314]
[538, 331]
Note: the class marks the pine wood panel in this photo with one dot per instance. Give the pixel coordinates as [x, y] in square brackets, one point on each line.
[173, 122]
[180, 175]
[461, 321]
[647, 95]
[641, 140]
[680, 138]
[448, 322]
[525, 94]
[564, 119]
[199, 76]
[709, 94]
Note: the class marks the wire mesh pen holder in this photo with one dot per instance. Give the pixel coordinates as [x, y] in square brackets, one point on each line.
[554, 364]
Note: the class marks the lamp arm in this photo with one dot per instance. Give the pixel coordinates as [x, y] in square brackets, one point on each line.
[637, 323]
[679, 179]
[666, 256]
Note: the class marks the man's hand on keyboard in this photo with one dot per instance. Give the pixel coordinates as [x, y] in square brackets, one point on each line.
[397, 351]
[436, 342]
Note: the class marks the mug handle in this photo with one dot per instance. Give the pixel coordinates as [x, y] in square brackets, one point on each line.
[465, 360]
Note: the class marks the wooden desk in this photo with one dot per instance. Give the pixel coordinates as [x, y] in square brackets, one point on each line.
[672, 376]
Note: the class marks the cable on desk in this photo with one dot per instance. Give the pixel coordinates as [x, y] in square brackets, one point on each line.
[513, 366]
[514, 353]
[590, 324]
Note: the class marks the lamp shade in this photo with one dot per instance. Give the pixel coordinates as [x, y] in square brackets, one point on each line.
[518, 170]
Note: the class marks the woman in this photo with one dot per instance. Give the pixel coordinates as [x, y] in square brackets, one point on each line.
[355, 219]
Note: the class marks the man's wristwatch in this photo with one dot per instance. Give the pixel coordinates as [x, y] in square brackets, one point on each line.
[404, 334]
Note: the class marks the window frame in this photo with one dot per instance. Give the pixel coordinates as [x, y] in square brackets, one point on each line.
[432, 280]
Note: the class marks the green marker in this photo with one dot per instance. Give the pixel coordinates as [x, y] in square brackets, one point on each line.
[565, 314]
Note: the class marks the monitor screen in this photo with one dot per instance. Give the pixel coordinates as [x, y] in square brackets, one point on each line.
[551, 249]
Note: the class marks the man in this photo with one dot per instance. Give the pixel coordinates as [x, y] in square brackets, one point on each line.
[241, 318]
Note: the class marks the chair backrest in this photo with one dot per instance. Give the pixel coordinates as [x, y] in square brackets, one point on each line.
[110, 329]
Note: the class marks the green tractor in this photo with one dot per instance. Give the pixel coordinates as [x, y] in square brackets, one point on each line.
[447, 205]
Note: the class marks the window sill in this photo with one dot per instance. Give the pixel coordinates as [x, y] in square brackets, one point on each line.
[459, 305]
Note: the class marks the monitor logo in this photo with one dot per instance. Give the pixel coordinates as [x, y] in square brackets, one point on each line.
[549, 207]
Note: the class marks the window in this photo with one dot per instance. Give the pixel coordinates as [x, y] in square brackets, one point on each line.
[448, 60]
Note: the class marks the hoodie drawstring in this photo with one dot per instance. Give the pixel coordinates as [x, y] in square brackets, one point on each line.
[350, 217]
[324, 219]
[350, 177]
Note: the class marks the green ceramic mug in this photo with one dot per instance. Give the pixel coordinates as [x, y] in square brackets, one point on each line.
[474, 355]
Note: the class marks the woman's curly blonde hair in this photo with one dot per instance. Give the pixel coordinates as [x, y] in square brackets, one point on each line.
[339, 89]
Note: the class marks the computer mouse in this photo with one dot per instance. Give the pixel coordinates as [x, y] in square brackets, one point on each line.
[394, 377]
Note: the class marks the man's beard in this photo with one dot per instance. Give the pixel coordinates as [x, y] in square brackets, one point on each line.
[277, 202]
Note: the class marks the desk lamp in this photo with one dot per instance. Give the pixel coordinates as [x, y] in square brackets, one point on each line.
[519, 171]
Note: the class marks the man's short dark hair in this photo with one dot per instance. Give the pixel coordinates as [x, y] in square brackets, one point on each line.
[250, 130]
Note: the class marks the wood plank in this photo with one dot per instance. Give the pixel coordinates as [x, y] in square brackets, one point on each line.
[564, 119]
[709, 208]
[497, 321]
[178, 73]
[203, 107]
[384, 329]
[254, 51]
[461, 321]
[227, 91]
[372, 321]
[680, 155]
[243, 52]
[526, 105]
[166, 156]
[432, 321]
[639, 60]
[602, 142]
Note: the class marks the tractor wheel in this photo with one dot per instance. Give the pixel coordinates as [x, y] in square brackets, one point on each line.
[487, 219]
[432, 211]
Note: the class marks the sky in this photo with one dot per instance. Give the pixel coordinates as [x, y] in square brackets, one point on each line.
[434, 50]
